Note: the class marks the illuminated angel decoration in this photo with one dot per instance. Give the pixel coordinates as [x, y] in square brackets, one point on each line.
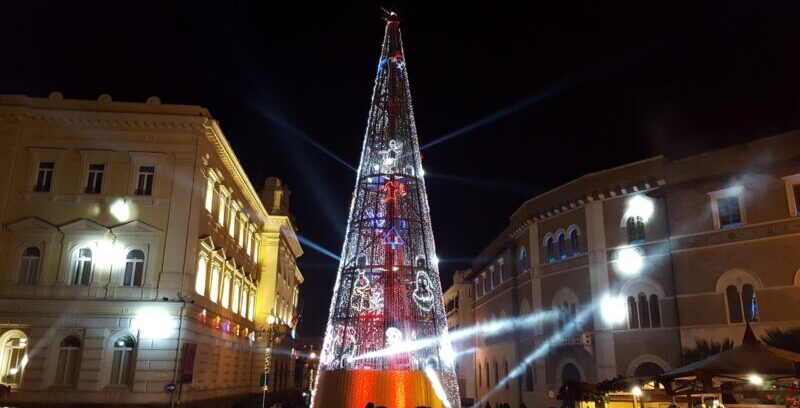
[423, 295]
[390, 156]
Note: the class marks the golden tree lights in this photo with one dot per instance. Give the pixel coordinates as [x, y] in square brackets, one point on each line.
[388, 292]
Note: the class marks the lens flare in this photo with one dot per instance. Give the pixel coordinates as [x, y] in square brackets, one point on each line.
[613, 309]
[557, 337]
[639, 206]
[495, 328]
[630, 261]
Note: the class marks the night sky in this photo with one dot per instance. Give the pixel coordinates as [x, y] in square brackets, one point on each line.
[560, 88]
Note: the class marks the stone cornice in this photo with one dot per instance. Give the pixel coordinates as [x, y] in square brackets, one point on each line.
[228, 158]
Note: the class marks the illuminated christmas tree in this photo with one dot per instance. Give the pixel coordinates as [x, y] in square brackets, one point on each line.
[386, 340]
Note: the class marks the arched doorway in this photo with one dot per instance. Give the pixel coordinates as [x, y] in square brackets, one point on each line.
[648, 370]
[570, 373]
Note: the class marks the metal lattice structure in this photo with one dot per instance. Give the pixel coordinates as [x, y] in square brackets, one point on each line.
[388, 289]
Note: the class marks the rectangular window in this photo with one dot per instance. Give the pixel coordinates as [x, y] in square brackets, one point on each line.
[243, 307]
[226, 291]
[235, 300]
[251, 307]
[144, 181]
[210, 195]
[214, 289]
[242, 226]
[500, 270]
[94, 180]
[730, 214]
[796, 191]
[44, 177]
[232, 222]
[223, 207]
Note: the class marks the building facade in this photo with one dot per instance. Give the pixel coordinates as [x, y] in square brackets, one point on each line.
[624, 267]
[139, 264]
[458, 308]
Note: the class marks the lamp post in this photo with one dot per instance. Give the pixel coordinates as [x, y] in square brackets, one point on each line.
[272, 334]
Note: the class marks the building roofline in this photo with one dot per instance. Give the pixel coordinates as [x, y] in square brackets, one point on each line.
[104, 103]
[582, 178]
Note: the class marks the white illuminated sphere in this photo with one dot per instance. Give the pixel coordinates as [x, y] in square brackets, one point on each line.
[640, 206]
[629, 261]
[613, 310]
[755, 379]
[154, 323]
[120, 210]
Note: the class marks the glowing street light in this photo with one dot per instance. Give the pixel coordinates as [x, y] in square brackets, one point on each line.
[613, 309]
[755, 379]
[636, 391]
[270, 319]
[154, 323]
[121, 210]
[640, 206]
[629, 261]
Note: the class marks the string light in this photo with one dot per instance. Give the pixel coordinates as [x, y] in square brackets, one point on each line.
[387, 291]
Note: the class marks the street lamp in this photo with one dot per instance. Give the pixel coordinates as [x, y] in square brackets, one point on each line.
[636, 391]
[273, 333]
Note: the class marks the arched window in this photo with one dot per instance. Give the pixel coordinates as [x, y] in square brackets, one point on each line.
[523, 260]
[122, 362]
[29, 266]
[635, 226]
[734, 304]
[496, 374]
[226, 290]
[749, 303]
[235, 300]
[505, 372]
[82, 267]
[633, 313]
[644, 311]
[13, 357]
[69, 359]
[213, 292]
[551, 251]
[480, 376]
[528, 378]
[134, 268]
[574, 246]
[200, 278]
[562, 246]
[655, 311]
[488, 379]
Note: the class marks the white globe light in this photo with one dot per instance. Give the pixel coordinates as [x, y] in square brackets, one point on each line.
[154, 323]
[755, 379]
[121, 210]
[629, 261]
[613, 310]
[640, 206]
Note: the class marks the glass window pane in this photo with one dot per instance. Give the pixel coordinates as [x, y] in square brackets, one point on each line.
[734, 304]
